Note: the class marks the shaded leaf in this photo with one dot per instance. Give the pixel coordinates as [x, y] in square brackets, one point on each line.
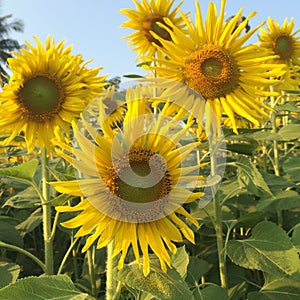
[27, 198]
[289, 106]
[265, 135]
[269, 249]
[180, 261]
[278, 289]
[24, 171]
[30, 223]
[250, 177]
[197, 267]
[289, 132]
[9, 273]
[209, 293]
[60, 200]
[164, 286]
[282, 200]
[276, 183]
[10, 235]
[238, 291]
[291, 167]
[296, 237]
[250, 219]
[47, 287]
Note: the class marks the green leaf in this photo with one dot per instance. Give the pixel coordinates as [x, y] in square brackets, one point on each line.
[278, 289]
[27, 198]
[23, 172]
[291, 167]
[197, 267]
[31, 222]
[242, 148]
[37, 288]
[289, 132]
[10, 235]
[265, 135]
[296, 237]
[164, 286]
[238, 291]
[250, 177]
[276, 183]
[269, 249]
[290, 106]
[282, 200]
[60, 200]
[180, 261]
[250, 219]
[292, 92]
[209, 293]
[133, 76]
[9, 273]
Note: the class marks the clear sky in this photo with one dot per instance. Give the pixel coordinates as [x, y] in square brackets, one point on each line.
[92, 26]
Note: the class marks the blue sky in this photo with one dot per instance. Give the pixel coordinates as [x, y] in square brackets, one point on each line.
[92, 26]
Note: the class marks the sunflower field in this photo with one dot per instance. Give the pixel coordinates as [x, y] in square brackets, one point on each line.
[182, 184]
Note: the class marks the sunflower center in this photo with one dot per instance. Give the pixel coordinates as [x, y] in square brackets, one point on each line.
[211, 71]
[41, 98]
[140, 177]
[150, 24]
[211, 67]
[283, 46]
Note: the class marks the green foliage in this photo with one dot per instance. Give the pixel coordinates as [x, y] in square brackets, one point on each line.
[269, 249]
[9, 273]
[165, 286]
[47, 287]
[23, 172]
[277, 288]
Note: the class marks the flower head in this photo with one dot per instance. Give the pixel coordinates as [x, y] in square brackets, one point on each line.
[212, 60]
[48, 88]
[283, 41]
[135, 183]
[145, 19]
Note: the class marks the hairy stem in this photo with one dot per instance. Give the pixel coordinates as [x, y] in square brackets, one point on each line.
[111, 282]
[48, 239]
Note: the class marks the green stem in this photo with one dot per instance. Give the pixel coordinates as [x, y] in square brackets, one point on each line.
[66, 256]
[275, 150]
[218, 212]
[92, 272]
[274, 129]
[48, 240]
[111, 282]
[23, 251]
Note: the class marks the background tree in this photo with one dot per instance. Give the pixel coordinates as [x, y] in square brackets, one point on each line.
[6, 43]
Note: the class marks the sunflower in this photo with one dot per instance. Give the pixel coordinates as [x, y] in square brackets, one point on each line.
[145, 19]
[108, 103]
[48, 88]
[283, 41]
[212, 60]
[134, 183]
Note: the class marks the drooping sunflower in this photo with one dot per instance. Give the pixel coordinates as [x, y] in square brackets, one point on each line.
[134, 183]
[48, 88]
[283, 41]
[212, 60]
[145, 19]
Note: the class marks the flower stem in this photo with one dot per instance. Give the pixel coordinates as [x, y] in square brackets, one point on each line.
[275, 150]
[111, 282]
[90, 258]
[48, 239]
[213, 138]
